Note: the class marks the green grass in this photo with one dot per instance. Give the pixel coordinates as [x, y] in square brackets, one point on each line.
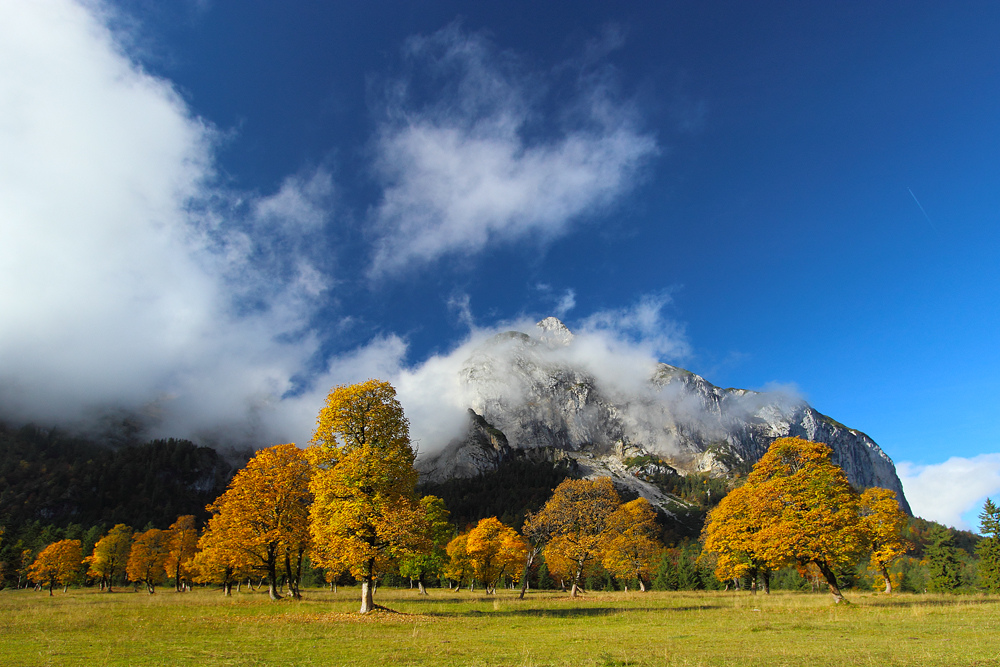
[679, 628]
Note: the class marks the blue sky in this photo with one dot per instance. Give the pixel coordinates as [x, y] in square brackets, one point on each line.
[214, 210]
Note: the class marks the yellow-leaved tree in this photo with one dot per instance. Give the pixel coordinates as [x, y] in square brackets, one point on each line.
[147, 558]
[577, 516]
[459, 566]
[110, 555]
[630, 546]
[796, 507]
[58, 563]
[732, 534]
[365, 515]
[263, 517]
[494, 550]
[884, 522]
[183, 545]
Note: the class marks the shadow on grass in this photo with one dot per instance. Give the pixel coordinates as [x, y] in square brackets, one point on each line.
[569, 612]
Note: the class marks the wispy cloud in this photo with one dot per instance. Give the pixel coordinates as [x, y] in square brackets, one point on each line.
[948, 492]
[474, 154]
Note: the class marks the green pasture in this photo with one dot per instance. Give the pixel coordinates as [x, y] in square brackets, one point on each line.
[86, 627]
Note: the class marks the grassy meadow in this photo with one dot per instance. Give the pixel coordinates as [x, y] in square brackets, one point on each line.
[86, 627]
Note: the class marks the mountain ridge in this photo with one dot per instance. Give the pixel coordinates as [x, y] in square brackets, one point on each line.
[541, 395]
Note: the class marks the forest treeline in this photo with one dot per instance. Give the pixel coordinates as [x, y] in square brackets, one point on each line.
[347, 509]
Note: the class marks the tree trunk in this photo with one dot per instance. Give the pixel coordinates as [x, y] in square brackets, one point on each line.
[527, 568]
[272, 573]
[227, 588]
[831, 580]
[421, 589]
[888, 582]
[765, 576]
[642, 585]
[367, 585]
[51, 584]
[367, 601]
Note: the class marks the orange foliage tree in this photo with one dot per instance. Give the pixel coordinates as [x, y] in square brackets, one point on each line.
[796, 507]
[577, 516]
[494, 550]
[110, 555]
[732, 534]
[630, 545]
[147, 558]
[459, 566]
[58, 563]
[262, 518]
[883, 521]
[183, 545]
[365, 515]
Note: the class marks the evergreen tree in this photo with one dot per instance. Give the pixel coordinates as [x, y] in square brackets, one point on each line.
[943, 565]
[666, 578]
[988, 548]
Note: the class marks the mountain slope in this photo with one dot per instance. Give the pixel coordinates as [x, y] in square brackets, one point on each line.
[542, 395]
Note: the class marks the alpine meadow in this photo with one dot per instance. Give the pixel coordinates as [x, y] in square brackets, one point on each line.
[499, 333]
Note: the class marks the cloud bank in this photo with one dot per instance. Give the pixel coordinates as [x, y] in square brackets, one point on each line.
[137, 284]
[131, 281]
[951, 491]
[462, 166]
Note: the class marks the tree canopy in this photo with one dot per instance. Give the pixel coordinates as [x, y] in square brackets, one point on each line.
[365, 515]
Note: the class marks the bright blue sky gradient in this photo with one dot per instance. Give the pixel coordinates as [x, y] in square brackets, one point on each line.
[774, 209]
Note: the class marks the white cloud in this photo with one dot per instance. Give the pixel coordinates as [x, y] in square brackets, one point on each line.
[947, 492]
[462, 172]
[130, 281]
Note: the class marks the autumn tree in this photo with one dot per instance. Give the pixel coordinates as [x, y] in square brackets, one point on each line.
[459, 566]
[183, 545]
[578, 514]
[810, 508]
[494, 550]
[147, 558]
[58, 563]
[988, 548]
[220, 560]
[365, 515]
[732, 536]
[537, 531]
[110, 555]
[419, 564]
[263, 517]
[796, 507]
[883, 522]
[630, 545]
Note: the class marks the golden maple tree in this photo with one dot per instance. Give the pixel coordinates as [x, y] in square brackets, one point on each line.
[576, 516]
[796, 507]
[884, 523]
[261, 521]
[459, 566]
[110, 555]
[183, 545]
[58, 563]
[630, 545]
[365, 515]
[147, 558]
[494, 550]
[731, 534]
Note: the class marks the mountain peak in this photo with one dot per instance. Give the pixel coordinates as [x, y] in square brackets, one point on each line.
[553, 331]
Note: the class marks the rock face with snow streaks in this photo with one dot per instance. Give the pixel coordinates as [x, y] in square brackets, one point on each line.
[537, 395]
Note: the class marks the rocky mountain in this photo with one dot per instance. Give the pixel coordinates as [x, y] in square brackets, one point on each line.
[542, 395]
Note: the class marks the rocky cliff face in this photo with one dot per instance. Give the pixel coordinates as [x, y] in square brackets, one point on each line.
[534, 395]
